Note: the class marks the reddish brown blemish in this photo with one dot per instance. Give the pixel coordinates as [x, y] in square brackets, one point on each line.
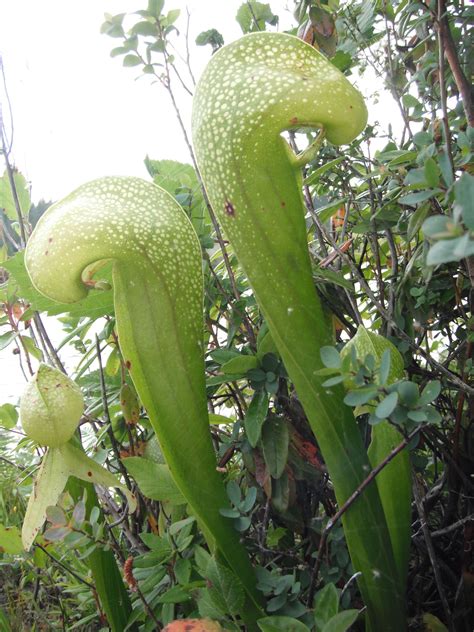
[294, 120]
[282, 204]
[128, 364]
[46, 252]
[58, 385]
[89, 473]
[229, 208]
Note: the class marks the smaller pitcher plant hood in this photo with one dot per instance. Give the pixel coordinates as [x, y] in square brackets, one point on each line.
[158, 299]
[51, 407]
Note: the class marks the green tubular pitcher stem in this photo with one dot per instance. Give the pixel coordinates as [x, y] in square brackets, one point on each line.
[250, 92]
[158, 299]
[395, 480]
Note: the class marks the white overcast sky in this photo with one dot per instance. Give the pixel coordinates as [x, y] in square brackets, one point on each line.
[78, 114]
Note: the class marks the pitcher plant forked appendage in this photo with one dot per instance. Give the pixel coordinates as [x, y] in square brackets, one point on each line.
[251, 91]
[158, 298]
[51, 407]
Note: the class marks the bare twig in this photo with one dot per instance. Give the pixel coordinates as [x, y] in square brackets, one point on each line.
[452, 527]
[432, 555]
[442, 86]
[449, 47]
[105, 406]
[11, 180]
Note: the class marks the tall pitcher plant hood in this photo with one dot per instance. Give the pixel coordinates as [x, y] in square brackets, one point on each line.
[158, 298]
[251, 91]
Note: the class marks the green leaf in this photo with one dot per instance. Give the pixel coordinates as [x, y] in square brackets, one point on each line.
[10, 541]
[360, 396]
[445, 166]
[234, 493]
[281, 624]
[396, 157]
[182, 570]
[409, 393]
[433, 624]
[409, 101]
[315, 175]
[56, 534]
[119, 50]
[385, 365]
[8, 416]
[450, 250]
[172, 175]
[221, 356]
[265, 344]
[430, 392]
[131, 60]
[387, 406]
[342, 60]
[281, 493]
[330, 357]
[334, 277]
[240, 364]
[6, 196]
[255, 417]
[341, 621]
[253, 16]
[412, 199]
[333, 381]
[49, 484]
[154, 480]
[212, 37]
[432, 172]
[464, 198]
[155, 7]
[275, 440]
[207, 608]
[176, 594]
[216, 420]
[7, 338]
[422, 139]
[56, 516]
[417, 415]
[326, 605]
[225, 590]
[172, 16]
[438, 226]
[31, 348]
[143, 28]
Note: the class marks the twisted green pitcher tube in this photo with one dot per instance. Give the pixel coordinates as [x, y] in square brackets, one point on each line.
[251, 91]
